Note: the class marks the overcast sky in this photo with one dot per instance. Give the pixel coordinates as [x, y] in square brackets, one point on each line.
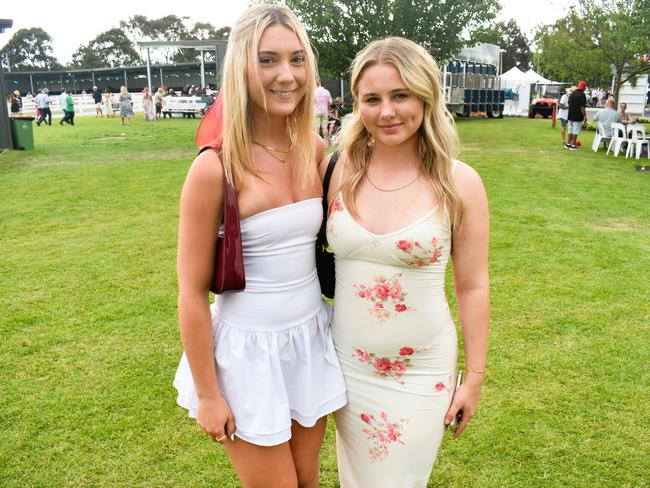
[76, 22]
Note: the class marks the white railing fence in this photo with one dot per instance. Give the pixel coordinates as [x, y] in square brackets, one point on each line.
[85, 105]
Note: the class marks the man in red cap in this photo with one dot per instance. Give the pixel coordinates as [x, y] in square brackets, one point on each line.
[577, 114]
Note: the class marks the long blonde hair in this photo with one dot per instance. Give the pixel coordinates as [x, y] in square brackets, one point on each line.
[437, 138]
[237, 145]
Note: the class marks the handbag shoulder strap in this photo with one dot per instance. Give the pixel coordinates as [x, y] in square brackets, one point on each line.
[327, 178]
[231, 224]
[321, 239]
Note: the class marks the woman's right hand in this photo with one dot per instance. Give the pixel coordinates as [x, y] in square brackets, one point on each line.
[215, 418]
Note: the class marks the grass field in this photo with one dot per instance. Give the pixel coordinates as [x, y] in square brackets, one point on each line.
[89, 341]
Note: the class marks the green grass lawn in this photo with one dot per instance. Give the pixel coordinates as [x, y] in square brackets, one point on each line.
[89, 341]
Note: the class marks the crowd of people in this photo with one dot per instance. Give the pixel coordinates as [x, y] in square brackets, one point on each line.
[106, 103]
[597, 97]
[329, 112]
[573, 115]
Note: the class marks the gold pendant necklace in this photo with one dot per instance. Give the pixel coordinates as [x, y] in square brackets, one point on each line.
[283, 161]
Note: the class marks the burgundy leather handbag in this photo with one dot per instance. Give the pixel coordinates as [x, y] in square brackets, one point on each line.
[229, 257]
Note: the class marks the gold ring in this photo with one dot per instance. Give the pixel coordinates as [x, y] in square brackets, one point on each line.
[221, 439]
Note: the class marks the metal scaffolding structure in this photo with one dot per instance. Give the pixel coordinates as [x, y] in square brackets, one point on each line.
[218, 46]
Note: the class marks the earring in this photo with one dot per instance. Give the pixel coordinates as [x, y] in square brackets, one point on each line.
[371, 141]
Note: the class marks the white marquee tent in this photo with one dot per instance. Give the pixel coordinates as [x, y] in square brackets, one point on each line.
[536, 78]
[522, 85]
[519, 82]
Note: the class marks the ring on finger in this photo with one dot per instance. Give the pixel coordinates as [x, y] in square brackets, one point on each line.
[220, 439]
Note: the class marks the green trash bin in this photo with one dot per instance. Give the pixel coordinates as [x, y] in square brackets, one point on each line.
[22, 132]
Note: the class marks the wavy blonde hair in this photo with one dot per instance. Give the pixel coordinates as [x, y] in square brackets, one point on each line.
[437, 138]
[237, 139]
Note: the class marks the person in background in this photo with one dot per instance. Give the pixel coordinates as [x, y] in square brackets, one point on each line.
[577, 114]
[335, 116]
[14, 104]
[322, 102]
[97, 97]
[563, 112]
[20, 100]
[126, 105]
[147, 102]
[625, 117]
[69, 110]
[107, 102]
[158, 101]
[608, 116]
[43, 104]
[62, 104]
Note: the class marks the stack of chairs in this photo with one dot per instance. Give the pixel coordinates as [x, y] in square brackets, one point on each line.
[633, 138]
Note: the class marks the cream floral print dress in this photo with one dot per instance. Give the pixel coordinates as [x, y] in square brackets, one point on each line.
[397, 344]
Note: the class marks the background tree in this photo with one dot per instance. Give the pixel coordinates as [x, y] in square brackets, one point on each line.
[222, 33]
[168, 28]
[601, 33]
[30, 50]
[205, 30]
[559, 57]
[109, 49]
[338, 29]
[509, 37]
[172, 28]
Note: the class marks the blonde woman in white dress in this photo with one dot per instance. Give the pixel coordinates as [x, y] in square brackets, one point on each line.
[403, 208]
[260, 372]
[108, 104]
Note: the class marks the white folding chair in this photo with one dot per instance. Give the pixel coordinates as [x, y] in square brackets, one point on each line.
[618, 138]
[599, 137]
[636, 140]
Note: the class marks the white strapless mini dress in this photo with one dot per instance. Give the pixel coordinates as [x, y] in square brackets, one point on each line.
[273, 348]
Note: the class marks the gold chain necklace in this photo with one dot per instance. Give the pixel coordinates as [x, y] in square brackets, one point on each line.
[283, 161]
[392, 189]
[274, 149]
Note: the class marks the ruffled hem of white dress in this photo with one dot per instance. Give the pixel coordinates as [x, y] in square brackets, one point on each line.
[269, 377]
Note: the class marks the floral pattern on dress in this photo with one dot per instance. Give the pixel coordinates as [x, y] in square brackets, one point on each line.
[386, 295]
[386, 367]
[382, 433]
[441, 386]
[417, 254]
[335, 206]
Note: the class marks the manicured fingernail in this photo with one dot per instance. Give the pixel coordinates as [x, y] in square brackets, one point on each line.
[447, 422]
[232, 437]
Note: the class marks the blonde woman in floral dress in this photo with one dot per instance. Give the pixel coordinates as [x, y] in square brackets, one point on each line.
[403, 207]
[147, 104]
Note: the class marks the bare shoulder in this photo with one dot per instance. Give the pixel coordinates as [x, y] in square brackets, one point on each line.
[206, 171]
[203, 188]
[467, 180]
[320, 147]
[322, 166]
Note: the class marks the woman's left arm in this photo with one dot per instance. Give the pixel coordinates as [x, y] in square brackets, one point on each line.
[470, 265]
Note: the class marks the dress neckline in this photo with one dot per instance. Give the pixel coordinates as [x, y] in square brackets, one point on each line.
[281, 207]
[387, 234]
